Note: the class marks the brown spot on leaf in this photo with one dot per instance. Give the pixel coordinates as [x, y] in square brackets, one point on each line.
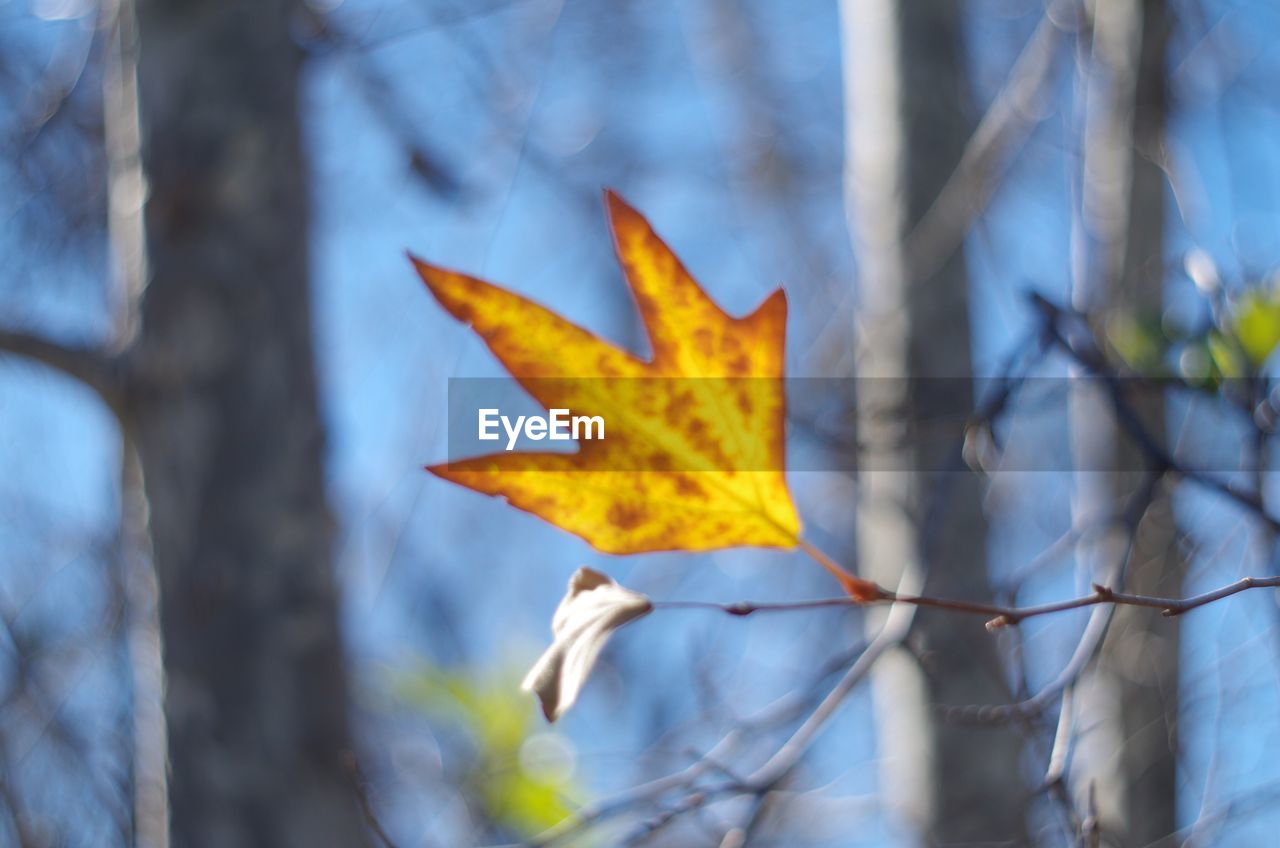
[464, 312]
[625, 516]
[688, 488]
[704, 341]
[660, 462]
[677, 409]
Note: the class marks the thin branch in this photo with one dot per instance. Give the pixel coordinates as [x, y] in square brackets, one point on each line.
[1087, 354]
[1054, 784]
[609, 807]
[1001, 616]
[360, 785]
[96, 368]
[896, 627]
[1005, 126]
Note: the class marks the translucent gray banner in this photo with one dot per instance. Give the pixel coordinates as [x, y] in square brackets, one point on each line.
[1039, 424]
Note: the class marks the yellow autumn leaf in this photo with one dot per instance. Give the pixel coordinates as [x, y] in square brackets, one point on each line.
[693, 458]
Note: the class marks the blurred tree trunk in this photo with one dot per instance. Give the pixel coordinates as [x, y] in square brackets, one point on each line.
[1148, 686]
[906, 128]
[223, 411]
[1134, 761]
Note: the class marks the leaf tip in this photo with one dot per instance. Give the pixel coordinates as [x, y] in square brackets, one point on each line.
[425, 269]
[429, 274]
[618, 209]
[772, 309]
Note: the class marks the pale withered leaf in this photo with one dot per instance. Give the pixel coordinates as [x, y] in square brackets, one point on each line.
[592, 609]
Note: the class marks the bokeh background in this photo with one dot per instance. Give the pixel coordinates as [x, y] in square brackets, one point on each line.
[755, 136]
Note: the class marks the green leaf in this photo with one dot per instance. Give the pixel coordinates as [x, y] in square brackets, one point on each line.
[1226, 355]
[1139, 341]
[495, 714]
[1257, 325]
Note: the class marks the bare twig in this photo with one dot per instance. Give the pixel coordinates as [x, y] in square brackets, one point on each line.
[652, 790]
[360, 785]
[96, 368]
[1004, 126]
[1086, 353]
[896, 627]
[1001, 616]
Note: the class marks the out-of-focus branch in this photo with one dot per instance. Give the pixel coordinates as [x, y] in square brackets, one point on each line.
[604, 809]
[896, 627]
[689, 788]
[1055, 774]
[784, 760]
[1004, 126]
[127, 192]
[96, 368]
[1071, 333]
[1083, 348]
[360, 784]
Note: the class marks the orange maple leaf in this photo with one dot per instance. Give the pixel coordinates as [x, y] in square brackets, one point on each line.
[694, 456]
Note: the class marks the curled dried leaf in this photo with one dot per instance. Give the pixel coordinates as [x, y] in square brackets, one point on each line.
[591, 610]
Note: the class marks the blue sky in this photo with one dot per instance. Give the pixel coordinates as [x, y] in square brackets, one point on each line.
[533, 108]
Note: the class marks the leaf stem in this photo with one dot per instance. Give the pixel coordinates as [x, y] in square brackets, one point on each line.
[862, 591]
